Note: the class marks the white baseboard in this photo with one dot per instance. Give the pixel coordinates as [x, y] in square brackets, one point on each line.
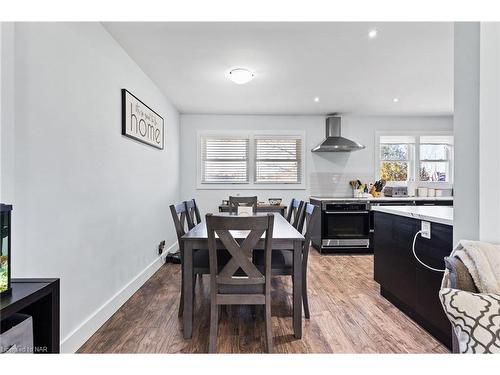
[72, 342]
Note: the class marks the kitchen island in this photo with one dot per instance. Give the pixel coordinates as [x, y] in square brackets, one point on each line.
[404, 281]
[346, 225]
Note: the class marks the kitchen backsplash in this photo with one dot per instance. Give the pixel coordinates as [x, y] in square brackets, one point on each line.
[329, 184]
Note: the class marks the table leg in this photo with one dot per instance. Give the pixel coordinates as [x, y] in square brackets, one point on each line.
[297, 289]
[187, 273]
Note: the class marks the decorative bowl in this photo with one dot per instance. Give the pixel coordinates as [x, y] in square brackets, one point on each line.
[275, 201]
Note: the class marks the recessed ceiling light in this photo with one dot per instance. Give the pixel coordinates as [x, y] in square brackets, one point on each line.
[372, 34]
[395, 100]
[316, 99]
[241, 75]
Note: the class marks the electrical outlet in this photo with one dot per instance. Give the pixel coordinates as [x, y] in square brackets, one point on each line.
[161, 246]
[426, 229]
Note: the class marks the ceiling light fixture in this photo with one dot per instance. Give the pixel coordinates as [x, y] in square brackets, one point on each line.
[316, 99]
[241, 76]
[395, 100]
[372, 34]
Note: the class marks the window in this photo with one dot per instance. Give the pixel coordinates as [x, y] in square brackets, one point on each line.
[257, 159]
[396, 155]
[426, 158]
[224, 160]
[435, 156]
[278, 159]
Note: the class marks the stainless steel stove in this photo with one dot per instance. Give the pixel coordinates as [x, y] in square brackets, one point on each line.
[344, 226]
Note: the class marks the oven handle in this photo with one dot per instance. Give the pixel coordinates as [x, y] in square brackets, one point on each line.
[346, 247]
[345, 212]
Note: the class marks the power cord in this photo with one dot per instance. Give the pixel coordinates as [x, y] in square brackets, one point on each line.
[416, 257]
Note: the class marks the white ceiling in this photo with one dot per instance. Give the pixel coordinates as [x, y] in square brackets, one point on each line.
[295, 62]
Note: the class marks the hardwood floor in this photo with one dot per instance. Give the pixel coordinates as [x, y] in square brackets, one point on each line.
[347, 316]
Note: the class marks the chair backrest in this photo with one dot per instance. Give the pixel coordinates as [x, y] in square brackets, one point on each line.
[295, 211]
[234, 202]
[181, 218]
[241, 252]
[310, 219]
[194, 212]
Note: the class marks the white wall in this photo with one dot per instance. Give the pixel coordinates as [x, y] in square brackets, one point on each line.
[476, 129]
[326, 173]
[466, 131]
[7, 112]
[90, 205]
[489, 151]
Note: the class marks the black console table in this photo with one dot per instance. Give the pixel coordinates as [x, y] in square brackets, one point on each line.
[40, 299]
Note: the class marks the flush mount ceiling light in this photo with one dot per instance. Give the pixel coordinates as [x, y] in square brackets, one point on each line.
[316, 99]
[241, 76]
[395, 100]
[372, 34]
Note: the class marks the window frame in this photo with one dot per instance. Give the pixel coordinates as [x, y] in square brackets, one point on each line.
[414, 170]
[280, 137]
[410, 161]
[228, 160]
[251, 184]
[449, 160]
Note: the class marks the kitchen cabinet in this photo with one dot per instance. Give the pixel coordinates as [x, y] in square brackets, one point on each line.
[409, 202]
[403, 280]
[433, 203]
[394, 267]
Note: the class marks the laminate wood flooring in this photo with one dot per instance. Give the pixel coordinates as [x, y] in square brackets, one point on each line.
[348, 315]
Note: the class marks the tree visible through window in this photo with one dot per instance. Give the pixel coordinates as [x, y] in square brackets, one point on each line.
[394, 161]
[421, 158]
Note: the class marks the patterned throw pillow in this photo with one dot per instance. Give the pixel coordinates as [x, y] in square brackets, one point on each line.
[475, 318]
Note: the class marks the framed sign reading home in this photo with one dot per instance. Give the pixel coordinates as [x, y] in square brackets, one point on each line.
[140, 122]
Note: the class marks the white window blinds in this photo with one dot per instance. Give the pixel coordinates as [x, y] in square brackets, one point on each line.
[224, 160]
[278, 159]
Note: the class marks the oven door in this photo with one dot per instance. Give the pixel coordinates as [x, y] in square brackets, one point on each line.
[346, 229]
[346, 224]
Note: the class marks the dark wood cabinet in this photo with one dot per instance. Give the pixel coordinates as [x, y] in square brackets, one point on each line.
[428, 305]
[38, 298]
[403, 280]
[393, 264]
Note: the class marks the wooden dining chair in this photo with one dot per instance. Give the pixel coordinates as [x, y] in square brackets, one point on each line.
[234, 202]
[239, 282]
[182, 220]
[295, 212]
[282, 260]
[194, 213]
[310, 218]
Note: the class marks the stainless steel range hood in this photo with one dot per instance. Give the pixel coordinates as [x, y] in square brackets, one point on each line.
[334, 142]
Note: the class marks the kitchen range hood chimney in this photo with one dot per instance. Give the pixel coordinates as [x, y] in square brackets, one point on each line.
[334, 142]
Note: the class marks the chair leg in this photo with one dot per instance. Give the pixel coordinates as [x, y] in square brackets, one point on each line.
[194, 287]
[214, 320]
[181, 303]
[269, 331]
[253, 311]
[305, 299]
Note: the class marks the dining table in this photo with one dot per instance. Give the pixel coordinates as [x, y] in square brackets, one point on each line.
[285, 237]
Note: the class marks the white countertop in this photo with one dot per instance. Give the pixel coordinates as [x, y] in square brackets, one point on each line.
[434, 214]
[373, 199]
